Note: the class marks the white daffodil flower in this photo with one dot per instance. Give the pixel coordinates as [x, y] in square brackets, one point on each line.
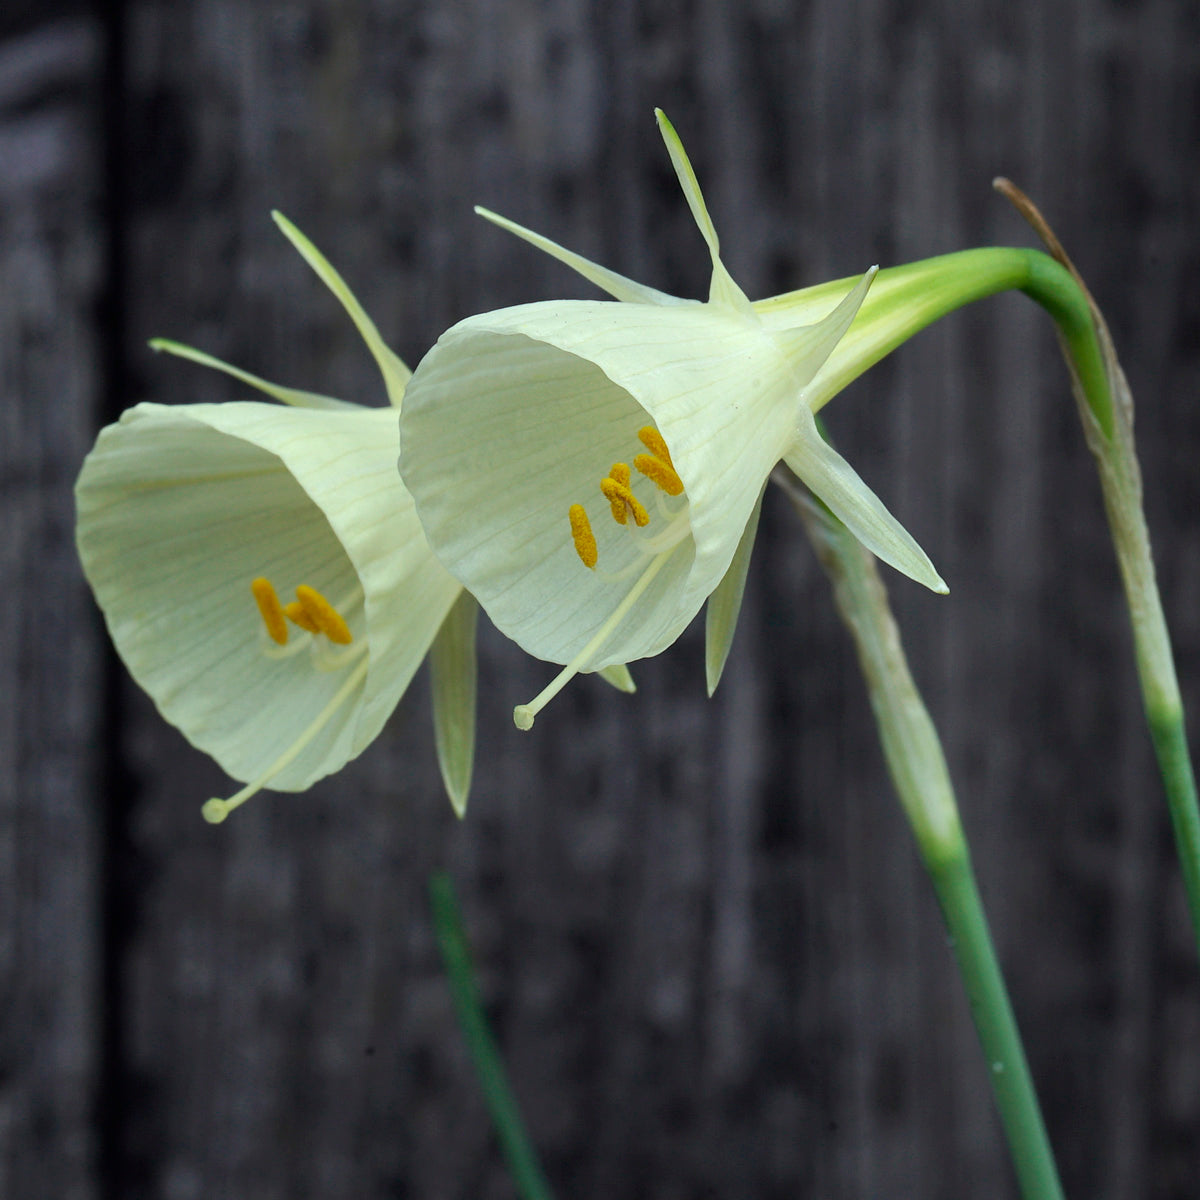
[191, 517]
[519, 428]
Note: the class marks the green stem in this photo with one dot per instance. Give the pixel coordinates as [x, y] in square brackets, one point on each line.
[510, 1128]
[1012, 1085]
[1170, 745]
[904, 300]
[919, 772]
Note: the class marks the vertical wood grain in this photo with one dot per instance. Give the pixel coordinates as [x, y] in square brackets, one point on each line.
[50, 640]
[708, 950]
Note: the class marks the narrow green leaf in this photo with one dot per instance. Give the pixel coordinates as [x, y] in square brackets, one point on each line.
[725, 603]
[452, 668]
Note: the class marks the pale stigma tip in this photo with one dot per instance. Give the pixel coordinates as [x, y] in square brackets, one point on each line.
[523, 717]
[214, 811]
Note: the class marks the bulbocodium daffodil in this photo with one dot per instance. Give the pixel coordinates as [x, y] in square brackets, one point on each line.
[592, 471]
[264, 576]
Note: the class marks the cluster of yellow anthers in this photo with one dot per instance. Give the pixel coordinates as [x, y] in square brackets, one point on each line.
[310, 611]
[656, 465]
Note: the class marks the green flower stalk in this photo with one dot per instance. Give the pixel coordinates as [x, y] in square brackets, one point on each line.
[591, 471]
[1115, 453]
[190, 517]
[922, 781]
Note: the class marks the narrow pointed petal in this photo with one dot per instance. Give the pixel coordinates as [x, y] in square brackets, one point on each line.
[395, 373]
[285, 395]
[835, 482]
[688, 181]
[808, 346]
[453, 671]
[725, 604]
[722, 289]
[618, 286]
[620, 678]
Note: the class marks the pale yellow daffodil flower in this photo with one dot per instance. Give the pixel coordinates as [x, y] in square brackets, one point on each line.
[264, 576]
[520, 428]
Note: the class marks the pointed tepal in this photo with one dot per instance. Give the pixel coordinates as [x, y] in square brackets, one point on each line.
[722, 289]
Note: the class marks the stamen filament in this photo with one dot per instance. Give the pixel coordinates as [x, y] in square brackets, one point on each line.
[657, 543]
[524, 714]
[270, 609]
[269, 650]
[324, 658]
[216, 810]
[616, 576]
[664, 509]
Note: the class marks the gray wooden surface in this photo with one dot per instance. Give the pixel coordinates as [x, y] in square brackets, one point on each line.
[711, 957]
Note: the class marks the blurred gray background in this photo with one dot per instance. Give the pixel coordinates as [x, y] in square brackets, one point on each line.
[710, 954]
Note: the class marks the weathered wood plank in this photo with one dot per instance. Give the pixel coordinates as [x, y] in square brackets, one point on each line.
[50, 641]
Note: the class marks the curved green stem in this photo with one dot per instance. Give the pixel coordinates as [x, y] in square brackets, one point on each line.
[904, 300]
[506, 1116]
[918, 770]
[1115, 452]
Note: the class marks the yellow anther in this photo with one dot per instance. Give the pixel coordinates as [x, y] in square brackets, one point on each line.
[581, 534]
[620, 472]
[295, 613]
[323, 615]
[655, 469]
[623, 500]
[656, 444]
[270, 609]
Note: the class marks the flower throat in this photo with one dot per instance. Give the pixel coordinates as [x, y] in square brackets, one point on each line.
[321, 624]
[615, 487]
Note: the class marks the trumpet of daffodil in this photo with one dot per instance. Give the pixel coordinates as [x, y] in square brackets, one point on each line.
[592, 471]
[265, 579]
